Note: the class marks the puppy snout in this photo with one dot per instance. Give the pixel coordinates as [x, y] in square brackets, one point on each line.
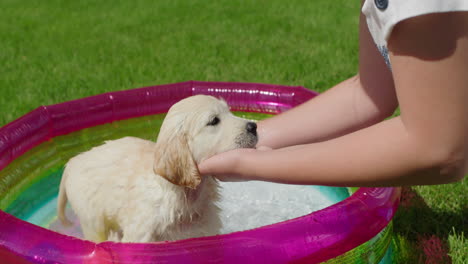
[252, 128]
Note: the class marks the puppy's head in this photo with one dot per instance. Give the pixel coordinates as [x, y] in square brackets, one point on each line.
[195, 129]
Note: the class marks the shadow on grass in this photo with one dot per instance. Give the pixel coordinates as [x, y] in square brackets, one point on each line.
[421, 234]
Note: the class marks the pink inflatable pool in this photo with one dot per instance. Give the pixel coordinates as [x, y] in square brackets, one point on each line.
[357, 228]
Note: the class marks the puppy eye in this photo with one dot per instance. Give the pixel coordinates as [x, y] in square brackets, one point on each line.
[214, 121]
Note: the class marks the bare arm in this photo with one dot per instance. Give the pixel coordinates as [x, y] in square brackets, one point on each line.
[358, 102]
[427, 144]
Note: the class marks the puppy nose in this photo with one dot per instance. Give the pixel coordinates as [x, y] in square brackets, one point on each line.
[252, 128]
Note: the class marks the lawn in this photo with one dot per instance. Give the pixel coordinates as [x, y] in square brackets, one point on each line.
[54, 51]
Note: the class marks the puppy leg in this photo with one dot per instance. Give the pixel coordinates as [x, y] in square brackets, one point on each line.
[138, 230]
[90, 233]
[140, 236]
[114, 236]
[208, 225]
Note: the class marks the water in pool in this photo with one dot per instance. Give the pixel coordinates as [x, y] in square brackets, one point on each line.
[246, 205]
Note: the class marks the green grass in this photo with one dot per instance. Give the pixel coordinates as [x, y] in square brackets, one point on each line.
[55, 51]
[60, 50]
[431, 224]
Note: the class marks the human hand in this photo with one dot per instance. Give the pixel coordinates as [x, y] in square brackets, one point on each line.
[227, 166]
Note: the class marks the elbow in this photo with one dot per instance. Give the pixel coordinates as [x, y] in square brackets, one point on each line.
[383, 112]
[448, 165]
[438, 156]
[387, 111]
[453, 168]
[381, 96]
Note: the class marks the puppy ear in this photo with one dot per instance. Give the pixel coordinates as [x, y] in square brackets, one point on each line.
[174, 161]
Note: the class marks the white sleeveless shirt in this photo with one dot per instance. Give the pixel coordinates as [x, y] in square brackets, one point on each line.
[383, 15]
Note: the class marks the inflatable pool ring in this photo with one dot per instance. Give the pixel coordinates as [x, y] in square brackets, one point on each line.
[34, 148]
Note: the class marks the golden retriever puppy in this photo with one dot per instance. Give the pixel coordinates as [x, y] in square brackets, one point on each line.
[134, 190]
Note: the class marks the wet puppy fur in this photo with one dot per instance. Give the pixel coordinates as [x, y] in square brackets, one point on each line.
[135, 190]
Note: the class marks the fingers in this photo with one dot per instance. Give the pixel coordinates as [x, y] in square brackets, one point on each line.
[218, 164]
[230, 178]
[206, 166]
[223, 166]
[263, 148]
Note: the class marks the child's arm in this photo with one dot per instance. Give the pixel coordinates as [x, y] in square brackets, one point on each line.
[427, 144]
[358, 102]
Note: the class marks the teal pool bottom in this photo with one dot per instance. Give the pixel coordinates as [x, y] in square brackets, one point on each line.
[29, 185]
[38, 204]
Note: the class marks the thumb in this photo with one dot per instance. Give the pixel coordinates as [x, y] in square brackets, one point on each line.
[205, 166]
[214, 165]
